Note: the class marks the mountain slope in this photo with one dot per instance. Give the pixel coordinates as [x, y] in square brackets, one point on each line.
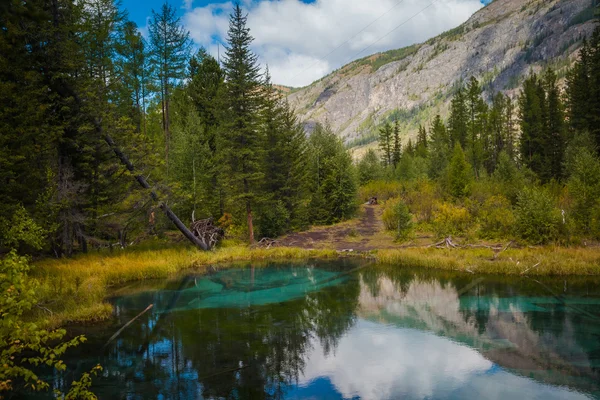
[499, 45]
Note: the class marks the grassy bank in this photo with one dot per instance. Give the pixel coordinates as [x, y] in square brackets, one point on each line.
[536, 261]
[74, 290]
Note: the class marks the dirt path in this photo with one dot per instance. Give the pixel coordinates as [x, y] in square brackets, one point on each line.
[361, 234]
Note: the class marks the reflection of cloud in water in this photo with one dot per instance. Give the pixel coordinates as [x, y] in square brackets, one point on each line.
[384, 356]
[375, 361]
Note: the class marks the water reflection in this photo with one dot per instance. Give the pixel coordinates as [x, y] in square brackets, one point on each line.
[345, 330]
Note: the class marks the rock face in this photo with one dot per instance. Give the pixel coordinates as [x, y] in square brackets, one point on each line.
[499, 45]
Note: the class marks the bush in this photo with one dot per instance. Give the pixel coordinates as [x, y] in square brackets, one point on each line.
[383, 190]
[397, 217]
[421, 199]
[451, 220]
[537, 219]
[496, 217]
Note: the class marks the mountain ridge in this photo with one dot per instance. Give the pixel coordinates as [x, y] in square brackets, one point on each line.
[499, 45]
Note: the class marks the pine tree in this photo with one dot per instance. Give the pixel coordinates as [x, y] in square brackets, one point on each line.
[133, 71]
[457, 122]
[397, 148]
[243, 142]
[460, 174]
[422, 144]
[555, 136]
[531, 119]
[476, 125]
[170, 53]
[438, 148]
[386, 143]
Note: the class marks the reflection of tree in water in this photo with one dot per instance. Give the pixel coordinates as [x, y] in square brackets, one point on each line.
[536, 333]
[253, 352]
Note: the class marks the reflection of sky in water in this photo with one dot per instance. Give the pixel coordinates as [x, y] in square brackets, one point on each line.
[374, 361]
[322, 332]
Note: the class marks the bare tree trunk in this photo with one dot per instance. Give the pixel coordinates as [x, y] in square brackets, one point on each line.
[143, 183]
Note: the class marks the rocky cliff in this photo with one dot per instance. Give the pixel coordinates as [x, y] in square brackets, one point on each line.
[500, 45]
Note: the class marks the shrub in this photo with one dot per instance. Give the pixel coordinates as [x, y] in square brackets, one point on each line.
[421, 199]
[397, 217]
[537, 219]
[383, 190]
[496, 217]
[451, 220]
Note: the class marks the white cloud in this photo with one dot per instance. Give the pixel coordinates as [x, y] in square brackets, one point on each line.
[295, 39]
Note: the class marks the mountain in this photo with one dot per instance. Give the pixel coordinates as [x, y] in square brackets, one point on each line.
[499, 45]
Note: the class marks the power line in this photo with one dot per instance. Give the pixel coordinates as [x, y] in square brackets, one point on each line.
[352, 37]
[375, 42]
[393, 30]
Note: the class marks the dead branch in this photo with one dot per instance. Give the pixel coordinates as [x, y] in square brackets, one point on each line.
[207, 232]
[127, 324]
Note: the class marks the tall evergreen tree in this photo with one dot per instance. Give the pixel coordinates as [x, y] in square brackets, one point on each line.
[397, 147]
[386, 143]
[458, 120]
[133, 70]
[438, 148]
[555, 136]
[531, 119]
[170, 53]
[477, 140]
[242, 138]
[421, 148]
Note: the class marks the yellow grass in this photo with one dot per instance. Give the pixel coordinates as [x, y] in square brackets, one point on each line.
[550, 260]
[75, 289]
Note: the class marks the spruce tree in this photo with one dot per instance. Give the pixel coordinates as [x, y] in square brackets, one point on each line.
[555, 136]
[386, 143]
[476, 125]
[460, 174]
[438, 148]
[243, 141]
[397, 144]
[531, 119]
[170, 53]
[457, 122]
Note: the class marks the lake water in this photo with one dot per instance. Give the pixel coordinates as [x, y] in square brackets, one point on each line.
[349, 330]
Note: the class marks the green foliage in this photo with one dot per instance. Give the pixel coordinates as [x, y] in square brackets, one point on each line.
[537, 218]
[370, 168]
[273, 219]
[584, 187]
[21, 230]
[496, 217]
[397, 218]
[25, 344]
[450, 219]
[460, 176]
[332, 178]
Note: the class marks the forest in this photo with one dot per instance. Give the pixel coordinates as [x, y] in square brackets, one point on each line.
[107, 138]
[526, 169]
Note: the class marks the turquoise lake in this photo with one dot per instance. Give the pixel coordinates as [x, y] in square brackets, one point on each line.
[348, 330]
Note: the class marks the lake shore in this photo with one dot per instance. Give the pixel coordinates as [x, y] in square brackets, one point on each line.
[75, 290]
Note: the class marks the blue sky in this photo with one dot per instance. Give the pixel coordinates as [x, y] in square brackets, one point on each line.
[303, 40]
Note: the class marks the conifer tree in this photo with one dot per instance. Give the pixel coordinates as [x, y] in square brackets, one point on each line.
[460, 174]
[555, 136]
[242, 137]
[531, 119]
[438, 148]
[476, 125]
[397, 148]
[386, 143]
[421, 148]
[457, 122]
[170, 53]
[133, 71]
